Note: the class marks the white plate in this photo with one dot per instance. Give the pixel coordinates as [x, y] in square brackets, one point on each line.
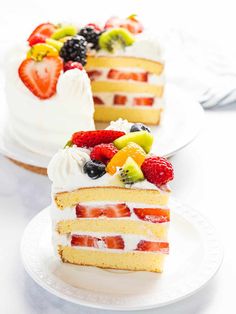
[181, 123]
[195, 256]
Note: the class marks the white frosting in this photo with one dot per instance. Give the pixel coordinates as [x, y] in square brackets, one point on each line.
[120, 125]
[44, 126]
[145, 46]
[66, 166]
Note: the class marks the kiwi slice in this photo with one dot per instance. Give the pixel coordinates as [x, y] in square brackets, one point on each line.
[67, 30]
[54, 43]
[130, 172]
[115, 39]
[142, 138]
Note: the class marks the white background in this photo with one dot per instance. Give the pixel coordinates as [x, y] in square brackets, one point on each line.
[205, 171]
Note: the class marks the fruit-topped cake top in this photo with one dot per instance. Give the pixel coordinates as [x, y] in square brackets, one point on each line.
[117, 156]
[52, 49]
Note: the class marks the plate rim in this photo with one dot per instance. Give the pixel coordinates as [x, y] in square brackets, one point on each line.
[188, 214]
[170, 87]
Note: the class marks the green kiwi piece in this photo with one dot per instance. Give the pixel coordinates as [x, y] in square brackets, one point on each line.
[115, 39]
[54, 43]
[130, 172]
[142, 138]
[67, 30]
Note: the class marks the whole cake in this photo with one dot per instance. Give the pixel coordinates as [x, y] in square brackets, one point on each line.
[48, 91]
[110, 199]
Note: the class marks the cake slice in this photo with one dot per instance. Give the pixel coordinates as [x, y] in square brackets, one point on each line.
[110, 199]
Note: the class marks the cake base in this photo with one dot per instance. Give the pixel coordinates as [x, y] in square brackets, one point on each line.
[150, 116]
[143, 261]
[35, 169]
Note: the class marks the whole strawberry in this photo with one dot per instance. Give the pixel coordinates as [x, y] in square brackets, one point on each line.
[93, 138]
[103, 152]
[157, 170]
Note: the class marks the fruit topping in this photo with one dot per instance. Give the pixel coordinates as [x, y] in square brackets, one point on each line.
[114, 242]
[94, 169]
[115, 39]
[84, 240]
[155, 215]
[103, 152]
[111, 211]
[131, 150]
[120, 75]
[150, 246]
[70, 65]
[157, 170]
[136, 127]
[93, 138]
[74, 49]
[36, 39]
[131, 23]
[94, 74]
[119, 100]
[45, 30]
[130, 172]
[97, 100]
[41, 77]
[67, 30]
[54, 43]
[91, 34]
[143, 101]
[39, 51]
[142, 138]
[95, 26]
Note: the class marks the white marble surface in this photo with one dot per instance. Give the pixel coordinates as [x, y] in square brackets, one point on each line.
[204, 178]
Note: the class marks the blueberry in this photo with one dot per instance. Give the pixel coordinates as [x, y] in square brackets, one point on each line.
[94, 169]
[139, 127]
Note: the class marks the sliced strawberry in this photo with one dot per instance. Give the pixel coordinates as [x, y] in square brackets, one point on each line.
[94, 74]
[84, 240]
[117, 75]
[41, 77]
[117, 211]
[120, 75]
[143, 101]
[111, 211]
[37, 39]
[93, 138]
[103, 152]
[155, 215]
[119, 100]
[114, 242]
[87, 211]
[45, 29]
[139, 76]
[97, 100]
[162, 247]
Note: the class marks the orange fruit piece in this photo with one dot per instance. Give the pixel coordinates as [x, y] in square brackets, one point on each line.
[131, 150]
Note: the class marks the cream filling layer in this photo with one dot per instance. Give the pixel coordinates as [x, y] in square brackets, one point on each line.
[103, 75]
[69, 213]
[130, 242]
[108, 99]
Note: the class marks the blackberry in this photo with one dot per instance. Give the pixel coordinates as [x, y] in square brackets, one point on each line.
[91, 35]
[74, 49]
